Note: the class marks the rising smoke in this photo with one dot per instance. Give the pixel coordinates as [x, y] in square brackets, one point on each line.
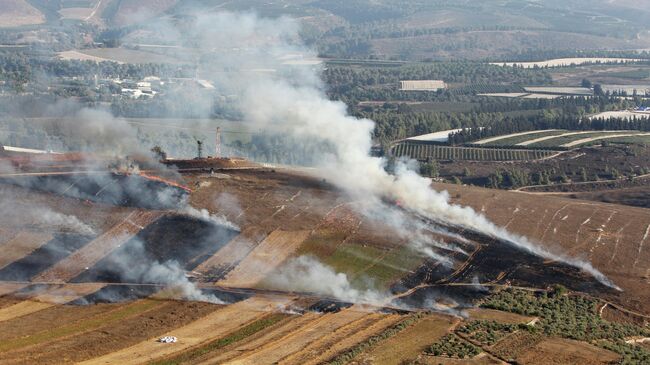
[295, 103]
[245, 55]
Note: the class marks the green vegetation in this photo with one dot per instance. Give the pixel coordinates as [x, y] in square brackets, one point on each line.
[573, 317]
[236, 336]
[638, 74]
[367, 266]
[453, 346]
[549, 119]
[560, 140]
[350, 354]
[640, 140]
[512, 141]
[425, 152]
[488, 333]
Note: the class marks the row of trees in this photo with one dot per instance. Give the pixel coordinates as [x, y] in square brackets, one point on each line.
[373, 83]
[573, 317]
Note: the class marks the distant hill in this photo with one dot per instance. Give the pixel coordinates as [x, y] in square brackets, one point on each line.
[129, 12]
[15, 13]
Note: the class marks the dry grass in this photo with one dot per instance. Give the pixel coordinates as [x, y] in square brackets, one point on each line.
[17, 13]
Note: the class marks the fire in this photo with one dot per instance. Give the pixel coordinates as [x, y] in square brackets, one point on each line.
[168, 182]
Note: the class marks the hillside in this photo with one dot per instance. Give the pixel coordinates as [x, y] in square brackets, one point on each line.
[288, 224]
[15, 13]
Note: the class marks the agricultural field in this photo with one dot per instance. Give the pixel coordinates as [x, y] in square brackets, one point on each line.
[562, 62]
[562, 138]
[517, 138]
[574, 139]
[424, 152]
[310, 218]
[126, 240]
[559, 90]
[620, 74]
[120, 55]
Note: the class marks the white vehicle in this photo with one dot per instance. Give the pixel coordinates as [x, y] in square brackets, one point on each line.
[167, 339]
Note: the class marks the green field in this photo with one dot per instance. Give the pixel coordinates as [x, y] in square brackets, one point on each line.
[559, 141]
[511, 141]
[423, 152]
[360, 261]
[644, 140]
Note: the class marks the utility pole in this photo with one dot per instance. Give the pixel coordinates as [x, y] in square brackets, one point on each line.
[217, 152]
[199, 148]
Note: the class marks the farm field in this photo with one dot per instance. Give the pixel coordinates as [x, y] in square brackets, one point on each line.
[562, 351]
[609, 74]
[524, 95]
[233, 182]
[119, 55]
[591, 140]
[422, 152]
[80, 56]
[625, 114]
[517, 138]
[315, 220]
[520, 134]
[412, 341]
[557, 90]
[560, 62]
[569, 139]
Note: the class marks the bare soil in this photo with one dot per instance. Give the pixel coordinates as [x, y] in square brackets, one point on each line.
[411, 342]
[562, 351]
[113, 336]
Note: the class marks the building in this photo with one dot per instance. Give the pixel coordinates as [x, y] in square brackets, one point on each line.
[422, 85]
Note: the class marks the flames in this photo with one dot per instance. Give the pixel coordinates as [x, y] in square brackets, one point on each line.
[166, 181]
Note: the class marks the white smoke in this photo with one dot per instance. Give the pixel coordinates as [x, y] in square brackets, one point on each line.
[205, 215]
[51, 218]
[291, 101]
[307, 274]
[136, 266]
[301, 103]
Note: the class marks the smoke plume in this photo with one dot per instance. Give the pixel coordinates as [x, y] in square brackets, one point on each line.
[307, 274]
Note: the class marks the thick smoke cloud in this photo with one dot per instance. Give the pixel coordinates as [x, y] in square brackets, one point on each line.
[245, 56]
[308, 275]
[293, 101]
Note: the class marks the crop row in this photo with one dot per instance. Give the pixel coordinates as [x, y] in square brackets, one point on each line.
[424, 152]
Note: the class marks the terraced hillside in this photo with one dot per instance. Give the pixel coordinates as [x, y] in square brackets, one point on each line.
[116, 291]
[424, 152]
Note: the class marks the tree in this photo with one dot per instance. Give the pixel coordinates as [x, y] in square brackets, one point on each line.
[159, 152]
[430, 169]
[586, 83]
[598, 90]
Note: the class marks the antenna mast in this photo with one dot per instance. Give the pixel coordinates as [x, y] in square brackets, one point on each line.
[217, 152]
[199, 148]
